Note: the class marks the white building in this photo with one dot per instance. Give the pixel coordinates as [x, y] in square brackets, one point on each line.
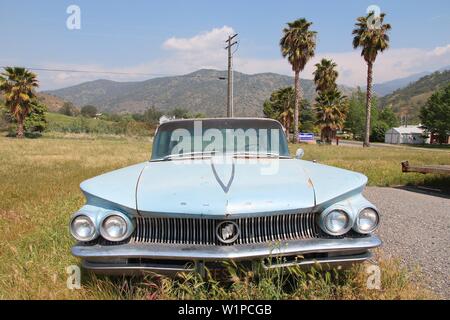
[407, 135]
[165, 118]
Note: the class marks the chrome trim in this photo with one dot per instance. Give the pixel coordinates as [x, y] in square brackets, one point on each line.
[327, 212]
[129, 226]
[348, 259]
[123, 268]
[214, 253]
[200, 231]
[94, 235]
[356, 224]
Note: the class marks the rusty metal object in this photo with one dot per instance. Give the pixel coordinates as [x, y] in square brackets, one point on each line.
[437, 169]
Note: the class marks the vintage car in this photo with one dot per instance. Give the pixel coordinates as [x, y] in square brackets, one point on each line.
[218, 190]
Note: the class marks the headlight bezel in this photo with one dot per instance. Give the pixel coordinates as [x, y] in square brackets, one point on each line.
[325, 216]
[75, 235]
[357, 227]
[128, 224]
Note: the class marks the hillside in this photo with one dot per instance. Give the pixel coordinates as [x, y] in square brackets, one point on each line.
[388, 87]
[201, 91]
[53, 103]
[409, 100]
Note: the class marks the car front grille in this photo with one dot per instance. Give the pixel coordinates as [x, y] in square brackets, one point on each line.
[203, 231]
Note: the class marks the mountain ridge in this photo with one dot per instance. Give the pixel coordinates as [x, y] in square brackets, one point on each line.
[201, 91]
[409, 100]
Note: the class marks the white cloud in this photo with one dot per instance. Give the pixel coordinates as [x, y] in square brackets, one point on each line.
[206, 50]
[209, 40]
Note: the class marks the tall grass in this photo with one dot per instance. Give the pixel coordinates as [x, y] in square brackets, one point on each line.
[381, 165]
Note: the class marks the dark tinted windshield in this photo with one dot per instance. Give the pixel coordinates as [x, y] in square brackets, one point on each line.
[220, 136]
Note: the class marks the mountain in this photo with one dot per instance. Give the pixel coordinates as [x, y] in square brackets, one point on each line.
[385, 88]
[409, 100]
[388, 87]
[202, 91]
[53, 103]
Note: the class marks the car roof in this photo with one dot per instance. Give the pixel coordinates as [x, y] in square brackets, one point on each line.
[222, 118]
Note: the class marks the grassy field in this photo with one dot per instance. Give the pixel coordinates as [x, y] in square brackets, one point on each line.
[39, 191]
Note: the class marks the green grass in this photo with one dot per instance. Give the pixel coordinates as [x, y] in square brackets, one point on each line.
[382, 166]
[59, 123]
[39, 191]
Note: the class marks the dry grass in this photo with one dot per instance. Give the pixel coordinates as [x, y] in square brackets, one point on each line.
[381, 165]
[39, 191]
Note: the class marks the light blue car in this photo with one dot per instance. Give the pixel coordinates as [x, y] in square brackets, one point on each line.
[223, 189]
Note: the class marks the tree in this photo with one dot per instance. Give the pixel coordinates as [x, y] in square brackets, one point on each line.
[388, 116]
[89, 111]
[435, 114]
[180, 113]
[18, 85]
[308, 117]
[331, 107]
[151, 115]
[325, 75]
[298, 45]
[280, 107]
[68, 109]
[370, 34]
[36, 120]
[355, 119]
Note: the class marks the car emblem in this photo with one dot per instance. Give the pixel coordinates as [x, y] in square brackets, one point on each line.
[227, 231]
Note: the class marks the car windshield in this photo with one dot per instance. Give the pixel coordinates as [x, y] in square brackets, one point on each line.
[199, 138]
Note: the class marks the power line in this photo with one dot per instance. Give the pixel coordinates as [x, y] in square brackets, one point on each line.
[122, 73]
[97, 72]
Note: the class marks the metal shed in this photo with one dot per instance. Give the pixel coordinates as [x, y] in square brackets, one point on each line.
[406, 135]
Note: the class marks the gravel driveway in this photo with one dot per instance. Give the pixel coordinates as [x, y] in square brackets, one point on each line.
[415, 228]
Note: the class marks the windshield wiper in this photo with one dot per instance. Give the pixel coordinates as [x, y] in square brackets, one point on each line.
[258, 154]
[188, 155]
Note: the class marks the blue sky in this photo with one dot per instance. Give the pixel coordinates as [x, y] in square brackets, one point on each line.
[176, 37]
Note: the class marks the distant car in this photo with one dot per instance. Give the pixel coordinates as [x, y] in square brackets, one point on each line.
[223, 189]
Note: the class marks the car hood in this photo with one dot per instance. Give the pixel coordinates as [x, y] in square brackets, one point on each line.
[204, 187]
[234, 187]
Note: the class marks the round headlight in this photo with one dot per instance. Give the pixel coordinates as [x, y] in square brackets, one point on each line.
[367, 221]
[337, 222]
[114, 228]
[82, 228]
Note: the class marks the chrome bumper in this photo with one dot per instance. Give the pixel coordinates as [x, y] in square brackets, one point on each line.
[121, 259]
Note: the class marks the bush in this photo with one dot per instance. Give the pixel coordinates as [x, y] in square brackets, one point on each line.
[89, 111]
[379, 131]
[69, 109]
[36, 121]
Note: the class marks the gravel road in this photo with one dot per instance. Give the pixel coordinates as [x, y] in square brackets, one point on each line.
[415, 228]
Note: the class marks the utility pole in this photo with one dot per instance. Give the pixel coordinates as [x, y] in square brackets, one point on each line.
[230, 111]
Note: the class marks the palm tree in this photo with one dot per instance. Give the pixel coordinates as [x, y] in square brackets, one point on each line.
[370, 34]
[331, 108]
[18, 85]
[280, 107]
[325, 75]
[297, 45]
[287, 101]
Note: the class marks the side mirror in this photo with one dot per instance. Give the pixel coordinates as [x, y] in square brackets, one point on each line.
[299, 154]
